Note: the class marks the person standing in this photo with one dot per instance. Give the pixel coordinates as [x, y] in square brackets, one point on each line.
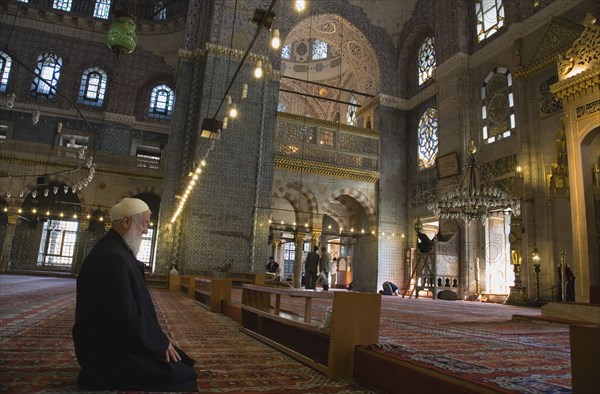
[333, 272]
[325, 267]
[310, 267]
[118, 340]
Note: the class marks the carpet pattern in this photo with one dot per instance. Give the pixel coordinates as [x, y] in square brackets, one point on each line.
[37, 356]
[477, 341]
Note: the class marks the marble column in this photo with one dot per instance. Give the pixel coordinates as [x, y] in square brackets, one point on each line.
[299, 239]
[8, 240]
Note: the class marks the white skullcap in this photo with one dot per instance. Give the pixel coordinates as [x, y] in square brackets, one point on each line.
[128, 207]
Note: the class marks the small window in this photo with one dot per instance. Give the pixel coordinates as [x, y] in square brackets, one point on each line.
[102, 9]
[162, 99]
[426, 60]
[428, 139]
[319, 50]
[5, 66]
[160, 11]
[148, 157]
[47, 73]
[74, 141]
[63, 5]
[351, 111]
[326, 137]
[93, 87]
[286, 52]
[490, 17]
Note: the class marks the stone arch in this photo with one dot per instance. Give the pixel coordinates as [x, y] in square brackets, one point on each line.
[410, 40]
[302, 199]
[356, 195]
[149, 195]
[142, 98]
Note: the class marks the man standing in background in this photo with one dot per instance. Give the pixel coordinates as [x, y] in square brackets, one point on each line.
[310, 267]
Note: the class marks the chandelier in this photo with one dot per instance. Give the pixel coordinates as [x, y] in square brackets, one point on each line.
[474, 197]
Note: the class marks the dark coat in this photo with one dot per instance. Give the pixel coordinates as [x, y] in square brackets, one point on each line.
[118, 340]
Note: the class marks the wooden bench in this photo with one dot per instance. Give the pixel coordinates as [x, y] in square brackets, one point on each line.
[327, 346]
[210, 292]
[188, 285]
[240, 278]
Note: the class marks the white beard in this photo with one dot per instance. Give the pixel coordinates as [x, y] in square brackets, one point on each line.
[133, 241]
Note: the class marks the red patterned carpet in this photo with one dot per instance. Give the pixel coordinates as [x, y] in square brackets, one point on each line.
[36, 351]
[478, 342]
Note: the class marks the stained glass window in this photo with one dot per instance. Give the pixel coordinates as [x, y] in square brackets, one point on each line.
[428, 138]
[47, 73]
[93, 87]
[5, 66]
[490, 17]
[162, 99]
[426, 60]
[102, 9]
[351, 112]
[286, 52]
[63, 5]
[498, 106]
[319, 50]
[160, 11]
[57, 244]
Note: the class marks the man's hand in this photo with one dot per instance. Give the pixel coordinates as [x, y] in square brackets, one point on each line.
[171, 354]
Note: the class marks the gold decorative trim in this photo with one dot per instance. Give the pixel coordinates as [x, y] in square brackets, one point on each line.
[583, 53]
[315, 167]
[329, 124]
[567, 89]
[224, 52]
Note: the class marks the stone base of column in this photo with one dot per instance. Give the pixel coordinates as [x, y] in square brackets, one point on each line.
[518, 296]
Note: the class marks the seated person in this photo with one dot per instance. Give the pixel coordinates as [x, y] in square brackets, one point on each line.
[389, 288]
[118, 339]
[424, 243]
[272, 266]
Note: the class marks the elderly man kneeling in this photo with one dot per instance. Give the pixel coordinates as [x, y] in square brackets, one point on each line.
[118, 340]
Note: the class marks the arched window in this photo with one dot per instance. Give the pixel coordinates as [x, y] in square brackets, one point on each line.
[5, 65]
[160, 12]
[426, 60]
[351, 112]
[497, 105]
[428, 139]
[162, 99]
[63, 5]
[490, 17]
[102, 9]
[286, 52]
[93, 87]
[319, 50]
[47, 73]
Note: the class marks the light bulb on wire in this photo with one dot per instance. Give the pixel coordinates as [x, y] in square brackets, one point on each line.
[258, 71]
[275, 41]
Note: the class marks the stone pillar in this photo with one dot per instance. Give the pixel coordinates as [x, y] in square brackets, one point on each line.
[8, 239]
[299, 239]
[274, 250]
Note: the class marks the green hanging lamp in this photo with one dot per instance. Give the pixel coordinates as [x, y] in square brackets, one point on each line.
[121, 37]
